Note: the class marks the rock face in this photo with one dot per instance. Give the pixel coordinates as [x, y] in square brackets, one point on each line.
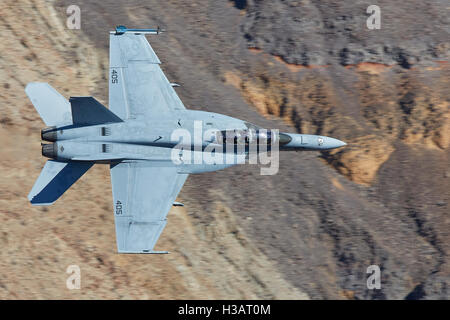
[40, 243]
[322, 32]
[309, 231]
[371, 107]
[393, 102]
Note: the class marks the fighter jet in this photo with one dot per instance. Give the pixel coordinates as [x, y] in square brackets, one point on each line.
[135, 137]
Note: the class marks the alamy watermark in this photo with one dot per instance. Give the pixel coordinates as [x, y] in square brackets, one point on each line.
[74, 17]
[73, 282]
[374, 280]
[374, 20]
[214, 147]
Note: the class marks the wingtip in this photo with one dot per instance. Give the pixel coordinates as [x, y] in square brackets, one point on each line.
[142, 252]
[29, 86]
[34, 202]
[33, 85]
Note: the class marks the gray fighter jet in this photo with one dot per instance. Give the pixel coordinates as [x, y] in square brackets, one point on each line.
[135, 136]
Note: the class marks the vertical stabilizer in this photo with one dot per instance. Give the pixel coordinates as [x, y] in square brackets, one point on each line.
[53, 108]
[86, 111]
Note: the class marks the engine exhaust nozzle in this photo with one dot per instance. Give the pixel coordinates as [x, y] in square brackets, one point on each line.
[50, 150]
[49, 134]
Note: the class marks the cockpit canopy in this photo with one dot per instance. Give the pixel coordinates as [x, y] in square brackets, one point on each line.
[245, 136]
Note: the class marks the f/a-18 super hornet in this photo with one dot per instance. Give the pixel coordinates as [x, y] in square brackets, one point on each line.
[135, 137]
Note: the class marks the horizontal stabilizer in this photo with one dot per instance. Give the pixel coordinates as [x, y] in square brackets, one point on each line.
[55, 178]
[53, 108]
[86, 111]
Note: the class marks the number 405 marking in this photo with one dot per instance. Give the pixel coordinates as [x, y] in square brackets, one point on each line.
[114, 76]
[118, 207]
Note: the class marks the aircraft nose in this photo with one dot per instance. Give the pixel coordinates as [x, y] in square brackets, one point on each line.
[332, 143]
[293, 141]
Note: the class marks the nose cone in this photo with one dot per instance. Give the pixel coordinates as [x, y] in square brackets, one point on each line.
[332, 143]
[310, 142]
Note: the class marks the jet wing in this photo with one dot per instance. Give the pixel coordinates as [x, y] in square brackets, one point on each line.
[137, 85]
[143, 195]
